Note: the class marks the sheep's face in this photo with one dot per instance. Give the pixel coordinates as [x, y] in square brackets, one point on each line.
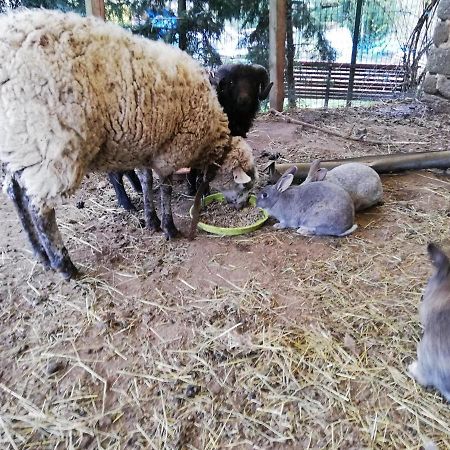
[236, 188]
[238, 174]
[241, 91]
[240, 87]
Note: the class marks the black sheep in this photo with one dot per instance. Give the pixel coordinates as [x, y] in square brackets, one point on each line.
[240, 88]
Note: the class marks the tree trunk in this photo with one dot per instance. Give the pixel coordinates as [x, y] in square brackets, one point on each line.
[95, 8]
[182, 43]
[290, 55]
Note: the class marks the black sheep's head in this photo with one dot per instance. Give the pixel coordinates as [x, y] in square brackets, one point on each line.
[242, 86]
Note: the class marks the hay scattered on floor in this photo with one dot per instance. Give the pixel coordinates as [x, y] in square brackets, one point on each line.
[124, 359]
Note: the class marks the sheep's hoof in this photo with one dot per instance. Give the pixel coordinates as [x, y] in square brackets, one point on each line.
[171, 231]
[43, 259]
[172, 234]
[153, 223]
[69, 271]
[154, 229]
[128, 206]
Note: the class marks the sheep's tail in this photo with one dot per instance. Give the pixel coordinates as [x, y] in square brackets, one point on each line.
[349, 231]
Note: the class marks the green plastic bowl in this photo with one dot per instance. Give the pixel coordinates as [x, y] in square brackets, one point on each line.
[229, 231]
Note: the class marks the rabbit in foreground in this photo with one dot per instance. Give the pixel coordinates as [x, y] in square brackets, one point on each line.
[312, 208]
[359, 180]
[432, 367]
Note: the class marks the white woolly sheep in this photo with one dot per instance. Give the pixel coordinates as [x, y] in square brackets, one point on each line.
[240, 88]
[80, 95]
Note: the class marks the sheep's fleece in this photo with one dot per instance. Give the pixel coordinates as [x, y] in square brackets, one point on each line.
[78, 94]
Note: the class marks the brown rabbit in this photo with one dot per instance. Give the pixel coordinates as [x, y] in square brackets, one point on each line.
[432, 367]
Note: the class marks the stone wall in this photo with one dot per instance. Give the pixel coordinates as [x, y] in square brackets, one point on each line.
[437, 79]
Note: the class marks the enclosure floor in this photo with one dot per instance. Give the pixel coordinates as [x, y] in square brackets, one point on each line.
[269, 340]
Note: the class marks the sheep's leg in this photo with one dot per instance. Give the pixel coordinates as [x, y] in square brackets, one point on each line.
[204, 187]
[116, 179]
[152, 221]
[134, 180]
[166, 204]
[20, 201]
[51, 240]
[192, 178]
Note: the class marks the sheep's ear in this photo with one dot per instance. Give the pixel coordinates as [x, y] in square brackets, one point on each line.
[265, 91]
[240, 176]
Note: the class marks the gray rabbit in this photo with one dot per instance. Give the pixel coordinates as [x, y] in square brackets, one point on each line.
[359, 180]
[313, 208]
[432, 367]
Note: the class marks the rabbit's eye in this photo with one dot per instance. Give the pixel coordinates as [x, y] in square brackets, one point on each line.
[264, 195]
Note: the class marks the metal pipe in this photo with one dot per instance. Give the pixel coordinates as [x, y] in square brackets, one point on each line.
[392, 163]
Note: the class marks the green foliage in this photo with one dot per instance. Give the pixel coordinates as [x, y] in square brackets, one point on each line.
[255, 15]
[204, 22]
[64, 5]
[309, 21]
[376, 22]
[204, 26]
[125, 11]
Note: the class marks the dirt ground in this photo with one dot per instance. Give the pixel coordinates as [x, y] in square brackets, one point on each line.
[268, 340]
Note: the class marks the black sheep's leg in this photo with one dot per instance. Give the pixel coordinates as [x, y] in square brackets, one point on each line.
[204, 187]
[166, 205]
[152, 221]
[134, 180]
[208, 176]
[192, 177]
[20, 201]
[116, 179]
[51, 240]
[194, 180]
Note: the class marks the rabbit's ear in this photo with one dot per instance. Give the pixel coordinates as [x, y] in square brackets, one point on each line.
[321, 174]
[438, 258]
[291, 171]
[286, 179]
[240, 176]
[284, 182]
[313, 170]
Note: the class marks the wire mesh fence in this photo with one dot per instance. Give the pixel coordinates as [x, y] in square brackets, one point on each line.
[377, 41]
[326, 35]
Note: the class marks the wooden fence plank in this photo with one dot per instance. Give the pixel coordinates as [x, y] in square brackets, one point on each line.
[331, 80]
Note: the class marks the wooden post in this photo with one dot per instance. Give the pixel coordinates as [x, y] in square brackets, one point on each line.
[95, 8]
[277, 39]
[327, 91]
[290, 56]
[356, 36]
[181, 12]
